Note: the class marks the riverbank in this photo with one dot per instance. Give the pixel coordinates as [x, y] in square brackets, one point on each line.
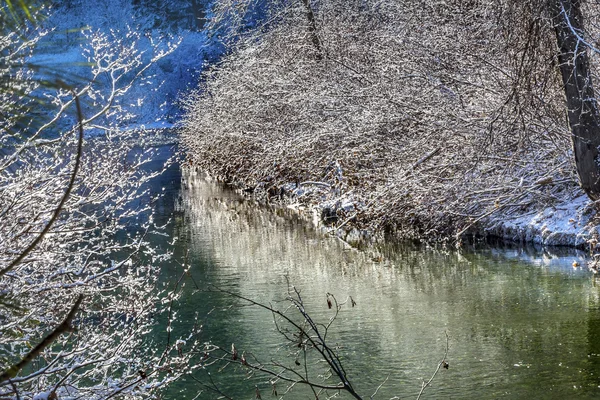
[435, 135]
[570, 224]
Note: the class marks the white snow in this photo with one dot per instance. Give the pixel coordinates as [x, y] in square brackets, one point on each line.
[566, 224]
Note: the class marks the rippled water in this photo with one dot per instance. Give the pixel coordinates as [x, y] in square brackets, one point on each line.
[521, 322]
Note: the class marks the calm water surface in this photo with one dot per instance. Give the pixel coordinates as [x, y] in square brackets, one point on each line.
[521, 323]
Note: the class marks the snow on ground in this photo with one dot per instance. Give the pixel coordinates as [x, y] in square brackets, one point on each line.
[570, 223]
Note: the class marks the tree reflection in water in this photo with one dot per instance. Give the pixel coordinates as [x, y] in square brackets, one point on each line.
[521, 322]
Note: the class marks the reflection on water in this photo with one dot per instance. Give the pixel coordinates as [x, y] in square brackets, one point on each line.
[521, 322]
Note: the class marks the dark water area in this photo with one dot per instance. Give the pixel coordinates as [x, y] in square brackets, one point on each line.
[521, 322]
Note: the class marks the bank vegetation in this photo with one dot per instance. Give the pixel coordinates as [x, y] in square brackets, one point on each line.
[422, 119]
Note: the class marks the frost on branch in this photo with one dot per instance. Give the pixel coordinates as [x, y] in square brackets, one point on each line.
[439, 115]
[75, 222]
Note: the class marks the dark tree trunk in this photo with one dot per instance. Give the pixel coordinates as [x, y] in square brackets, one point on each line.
[583, 112]
[198, 13]
[312, 28]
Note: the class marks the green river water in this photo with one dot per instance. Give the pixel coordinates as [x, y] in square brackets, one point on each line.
[521, 322]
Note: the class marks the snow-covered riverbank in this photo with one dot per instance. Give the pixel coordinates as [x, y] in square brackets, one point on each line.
[571, 223]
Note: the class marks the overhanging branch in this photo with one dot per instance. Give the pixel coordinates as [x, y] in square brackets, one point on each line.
[62, 202]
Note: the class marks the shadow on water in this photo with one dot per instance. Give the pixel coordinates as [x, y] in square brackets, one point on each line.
[522, 322]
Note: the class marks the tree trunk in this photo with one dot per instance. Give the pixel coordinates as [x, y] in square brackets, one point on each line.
[198, 14]
[312, 28]
[583, 112]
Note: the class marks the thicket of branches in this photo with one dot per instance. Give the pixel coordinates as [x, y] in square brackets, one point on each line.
[310, 363]
[78, 276]
[427, 117]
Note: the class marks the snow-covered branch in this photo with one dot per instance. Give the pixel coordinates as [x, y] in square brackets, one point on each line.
[72, 180]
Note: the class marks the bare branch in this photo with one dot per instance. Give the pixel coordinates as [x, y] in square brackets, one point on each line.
[64, 327]
[443, 363]
[62, 202]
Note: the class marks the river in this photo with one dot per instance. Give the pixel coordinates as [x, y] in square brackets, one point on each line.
[521, 322]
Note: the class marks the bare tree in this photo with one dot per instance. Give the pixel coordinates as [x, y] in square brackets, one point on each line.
[313, 359]
[422, 120]
[304, 337]
[583, 114]
[78, 291]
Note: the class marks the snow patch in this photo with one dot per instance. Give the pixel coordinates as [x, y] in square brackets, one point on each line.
[566, 224]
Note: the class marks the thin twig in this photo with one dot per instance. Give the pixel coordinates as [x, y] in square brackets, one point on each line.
[62, 202]
[441, 363]
[380, 386]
